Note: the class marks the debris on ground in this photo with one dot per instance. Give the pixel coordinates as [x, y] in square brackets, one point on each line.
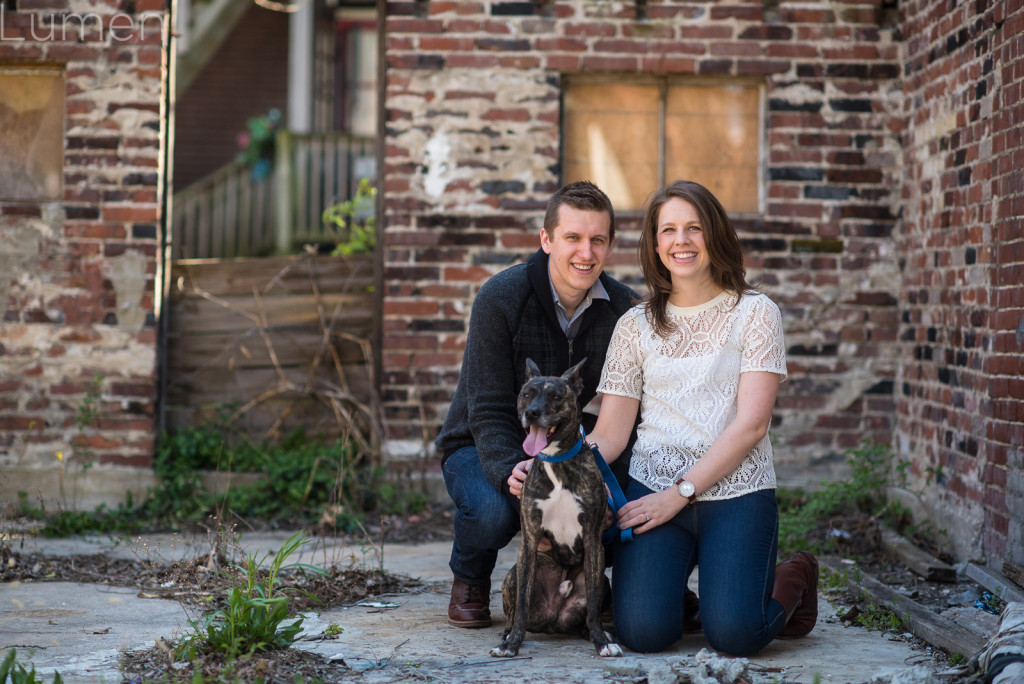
[713, 668]
[914, 675]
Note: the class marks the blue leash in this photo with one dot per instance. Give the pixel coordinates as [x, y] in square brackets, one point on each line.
[616, 498]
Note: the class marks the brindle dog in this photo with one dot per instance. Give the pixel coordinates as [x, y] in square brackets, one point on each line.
[561, 590]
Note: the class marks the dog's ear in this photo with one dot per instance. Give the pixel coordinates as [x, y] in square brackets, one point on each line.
[531, 370]
[572, 376]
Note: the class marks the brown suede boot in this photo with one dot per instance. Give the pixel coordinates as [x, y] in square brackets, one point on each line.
[469, 605]
[796, 588]
[691, 616]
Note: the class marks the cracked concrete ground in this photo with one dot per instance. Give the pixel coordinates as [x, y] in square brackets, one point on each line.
[79, 629]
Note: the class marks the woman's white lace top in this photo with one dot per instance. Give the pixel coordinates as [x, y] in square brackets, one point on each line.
[687, 385]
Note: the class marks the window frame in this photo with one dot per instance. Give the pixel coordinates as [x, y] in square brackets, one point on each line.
[663, 82]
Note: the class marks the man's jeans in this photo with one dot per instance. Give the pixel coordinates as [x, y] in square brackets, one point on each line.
[734, 540]
[486, 520]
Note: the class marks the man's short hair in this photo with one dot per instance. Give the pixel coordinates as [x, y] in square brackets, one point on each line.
[582, 195]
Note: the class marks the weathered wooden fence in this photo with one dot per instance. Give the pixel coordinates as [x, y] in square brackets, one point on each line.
[233, 212]
[227, 214]
[277, 342]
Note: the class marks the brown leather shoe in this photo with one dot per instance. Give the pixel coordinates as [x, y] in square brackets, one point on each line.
[469, 605]
[796, 588]
[691, 614]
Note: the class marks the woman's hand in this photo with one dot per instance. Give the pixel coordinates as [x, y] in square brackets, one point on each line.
[647, 512]
[518, 477]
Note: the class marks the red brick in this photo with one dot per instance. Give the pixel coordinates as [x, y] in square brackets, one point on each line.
[421, 360]
[602, 63]
[506, 115]
[414, 308]
[130, 213]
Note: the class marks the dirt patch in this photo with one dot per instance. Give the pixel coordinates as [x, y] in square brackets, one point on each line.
[201, 583]
[284, 666]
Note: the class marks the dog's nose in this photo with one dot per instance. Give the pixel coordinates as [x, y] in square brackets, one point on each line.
[533, 412]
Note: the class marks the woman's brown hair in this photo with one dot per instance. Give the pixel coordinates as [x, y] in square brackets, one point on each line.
[720, 240]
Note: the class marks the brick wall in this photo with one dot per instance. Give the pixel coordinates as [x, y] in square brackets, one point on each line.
[246, 77]
[77, 275]
[472, 111]
[960, 394]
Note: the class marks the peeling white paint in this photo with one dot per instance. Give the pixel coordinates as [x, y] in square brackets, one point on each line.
[128, 275]
[437, 160]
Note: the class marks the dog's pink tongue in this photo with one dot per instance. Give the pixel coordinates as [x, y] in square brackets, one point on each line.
[535, 441]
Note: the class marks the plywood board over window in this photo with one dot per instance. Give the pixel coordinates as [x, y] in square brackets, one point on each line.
[31, 133]
[631, 137]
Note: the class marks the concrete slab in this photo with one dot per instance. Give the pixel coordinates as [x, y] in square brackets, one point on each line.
[78, 629]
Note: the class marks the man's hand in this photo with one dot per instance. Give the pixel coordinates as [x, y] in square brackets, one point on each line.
[518, 477]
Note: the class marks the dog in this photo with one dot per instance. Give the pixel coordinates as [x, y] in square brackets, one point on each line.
[561, 590]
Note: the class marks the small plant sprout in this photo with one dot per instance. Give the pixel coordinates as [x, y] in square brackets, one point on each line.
[255, 616]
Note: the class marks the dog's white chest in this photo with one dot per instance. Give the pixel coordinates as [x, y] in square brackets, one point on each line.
[560, 512]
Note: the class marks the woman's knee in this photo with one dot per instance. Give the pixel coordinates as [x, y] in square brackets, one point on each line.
[735, 637]
[645, 636]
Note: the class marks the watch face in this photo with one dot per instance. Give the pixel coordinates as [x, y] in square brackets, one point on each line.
[686, 488]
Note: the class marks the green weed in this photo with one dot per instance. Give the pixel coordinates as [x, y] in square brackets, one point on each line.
[253, 619]
[64, 523]
[353, 220]
[15, 673]
[303, 477]
[801, 514]
[880, 618]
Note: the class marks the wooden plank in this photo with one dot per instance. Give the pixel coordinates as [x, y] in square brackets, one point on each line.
[344, 155]
[202, 316]
[936, 630]
[246, 218]
[303, 177]
[201, 247]
[996, 582]
[186, 241]
[231, 226]
[217, 220]
[919, 561]
[314, 198]
[1014, 572]
[284, 215]
[187, 352]
[330, 186]
[241, 276]
[219, 385]
[309, 414]
[263, 235]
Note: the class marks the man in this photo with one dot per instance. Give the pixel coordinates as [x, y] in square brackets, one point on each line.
[556, 309]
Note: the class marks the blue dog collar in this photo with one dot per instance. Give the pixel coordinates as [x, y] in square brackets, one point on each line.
[571, 453]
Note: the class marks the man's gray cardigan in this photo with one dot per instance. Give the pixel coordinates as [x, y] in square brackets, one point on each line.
[513, 318]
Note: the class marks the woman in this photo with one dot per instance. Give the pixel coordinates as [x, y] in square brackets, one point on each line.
[701, 360]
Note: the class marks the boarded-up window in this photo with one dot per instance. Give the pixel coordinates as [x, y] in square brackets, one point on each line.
[31, 133]
[632, 137]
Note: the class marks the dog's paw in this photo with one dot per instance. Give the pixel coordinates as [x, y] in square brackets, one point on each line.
[565, 588]
[611, 650]
[503, 651]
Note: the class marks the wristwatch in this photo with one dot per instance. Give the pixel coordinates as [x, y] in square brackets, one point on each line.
[687, 490]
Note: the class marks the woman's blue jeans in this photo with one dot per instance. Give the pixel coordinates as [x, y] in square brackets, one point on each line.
[734, 541]
[486, 520]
